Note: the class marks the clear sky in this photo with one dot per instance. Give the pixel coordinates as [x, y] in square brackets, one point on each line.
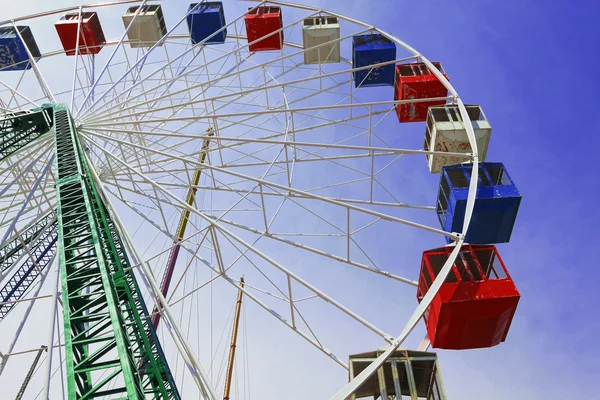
[530, 64]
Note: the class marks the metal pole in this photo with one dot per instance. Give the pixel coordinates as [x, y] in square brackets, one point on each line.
[76, 57]
[30, 373]
[185, 215]
[48, 369]
[236, 321]
[27, 199]
[22, 324]
[38, 74]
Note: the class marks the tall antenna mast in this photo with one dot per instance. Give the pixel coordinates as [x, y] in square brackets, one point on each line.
[236, 321]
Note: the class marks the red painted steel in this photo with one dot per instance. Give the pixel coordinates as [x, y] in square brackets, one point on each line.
[475, 305]
[260, 22]
[91, 38]
[415, 81]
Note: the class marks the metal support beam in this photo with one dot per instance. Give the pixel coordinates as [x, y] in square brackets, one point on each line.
[231, 361]
[40, 257]
[30, 373]
[185, 215]
[14, 249]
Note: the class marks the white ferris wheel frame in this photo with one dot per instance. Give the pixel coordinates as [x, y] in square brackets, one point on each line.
[174, 329]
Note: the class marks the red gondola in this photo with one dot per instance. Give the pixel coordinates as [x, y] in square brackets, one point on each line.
[476, 303]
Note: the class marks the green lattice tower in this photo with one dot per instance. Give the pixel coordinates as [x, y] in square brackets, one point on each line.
[108, 334]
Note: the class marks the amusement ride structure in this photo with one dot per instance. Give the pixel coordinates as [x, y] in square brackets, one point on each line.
[166, 171]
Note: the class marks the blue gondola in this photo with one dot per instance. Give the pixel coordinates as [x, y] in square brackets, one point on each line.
[369, 50]
[13, 53]
[204, 20]
[496, 203]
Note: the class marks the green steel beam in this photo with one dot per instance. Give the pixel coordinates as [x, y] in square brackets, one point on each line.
[108, 334]
[19, 129]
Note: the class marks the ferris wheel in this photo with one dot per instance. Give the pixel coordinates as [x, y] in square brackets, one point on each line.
[222, 200]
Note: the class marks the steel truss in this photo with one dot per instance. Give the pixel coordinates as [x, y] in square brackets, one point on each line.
[107, 328]
[21, 128]
[40, 256]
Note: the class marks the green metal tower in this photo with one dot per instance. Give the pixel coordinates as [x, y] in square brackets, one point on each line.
[108, 334]
[110, 345]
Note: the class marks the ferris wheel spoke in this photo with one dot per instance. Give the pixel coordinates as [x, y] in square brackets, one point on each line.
[285, 195]
[236, 123]
[235, 240]
[342, 232]
[35, 296]
[16, 94]
[35, 150]
[367, 152]
[266, 258]
[264, 112]
[26, 202]
[275, 134]
[286, 296]
[253, 250]
[276, 186]
[142, 59]
[276, 85]
[75, 75]
[41, 80]
[13, 95]
[312, 338]
[345, 260]
[218, 59]
[108, 62]
[37, 237]
[176, 110]
[263, 65]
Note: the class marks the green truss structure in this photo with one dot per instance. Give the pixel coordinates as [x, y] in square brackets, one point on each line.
[21, 128]
[110, 345]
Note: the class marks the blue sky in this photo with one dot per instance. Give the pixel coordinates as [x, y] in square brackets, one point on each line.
[530, 65]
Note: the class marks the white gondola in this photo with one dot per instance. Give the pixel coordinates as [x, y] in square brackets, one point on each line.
[148, 27]
[445, 132]
[407, 374]
[319, 30]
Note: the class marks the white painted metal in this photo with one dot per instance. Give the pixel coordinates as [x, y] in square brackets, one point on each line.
[18, 331]
[53, 317]
[141, 127]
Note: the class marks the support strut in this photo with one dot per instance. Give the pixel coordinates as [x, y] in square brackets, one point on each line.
[14, 248]
[30, 373]
[41, 254]
[236, 322]
[185, 215]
